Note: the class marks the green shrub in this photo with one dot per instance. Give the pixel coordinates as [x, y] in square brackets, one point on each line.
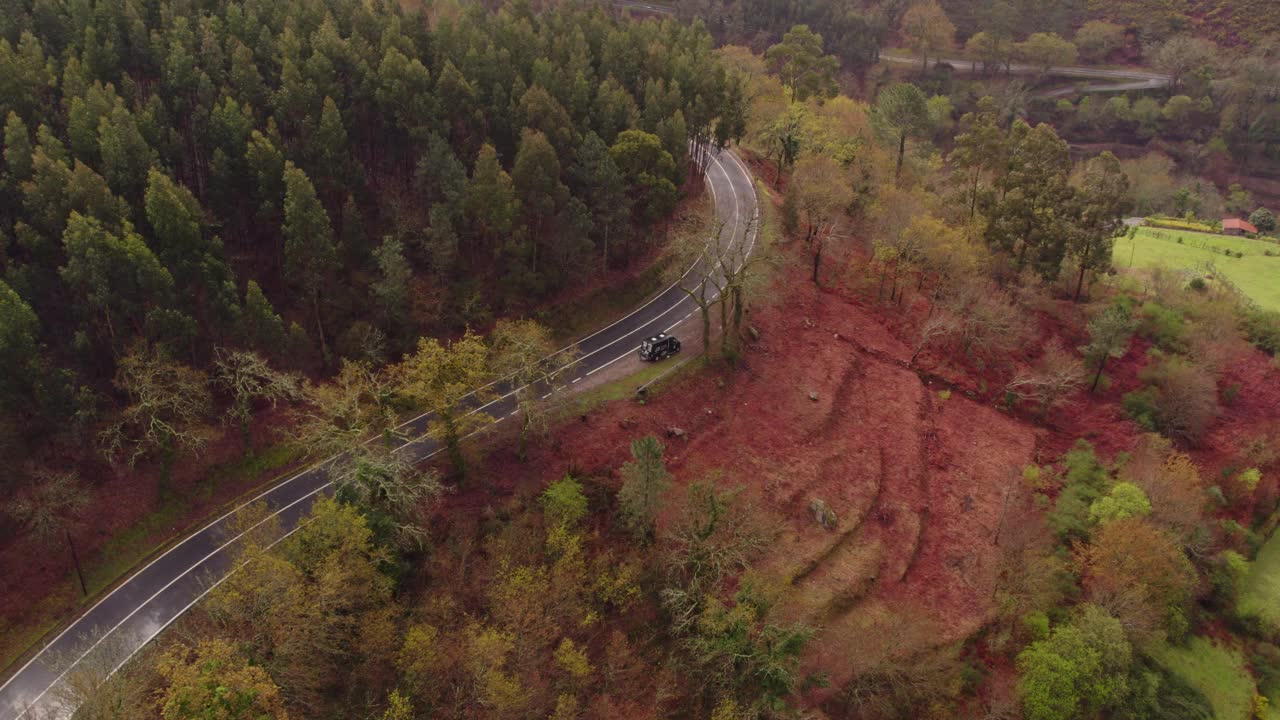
[1216, 495]
[1036, 624]
[1262, 327]
[1163, 326]
[1227, 576]
[1086, 480]
[1198, 284]
[1179, 399]
[1124, 500]
[1158, 694]
[1230, 393]
[1265, 660]
[563, 503]
[1177, 224]
[1141, 406]
[1250, 478]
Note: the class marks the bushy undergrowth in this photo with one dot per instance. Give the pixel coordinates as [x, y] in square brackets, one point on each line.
[1176, 224]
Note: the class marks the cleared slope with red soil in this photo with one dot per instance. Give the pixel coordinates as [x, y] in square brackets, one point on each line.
[826, 406]
[916, 481]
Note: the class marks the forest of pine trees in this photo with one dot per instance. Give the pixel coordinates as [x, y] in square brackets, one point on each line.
[311, 180]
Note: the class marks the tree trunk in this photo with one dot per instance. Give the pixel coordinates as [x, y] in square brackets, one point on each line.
[324, 346]
[245, 443]
[902, 152]
[1097, 378]
[738, 309]
[604, 260]
[75, 558]
[1079, 283]
[522, 452]
[817, 261]
[973, 196]
[724, 325]
[453, 443]
[166, 468]
[706, 327]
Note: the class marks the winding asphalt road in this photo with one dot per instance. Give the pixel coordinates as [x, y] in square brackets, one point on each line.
[139, 609]
[1119, 80]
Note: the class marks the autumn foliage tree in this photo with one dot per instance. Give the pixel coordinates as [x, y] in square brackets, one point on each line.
[526, 357]
[1138, 572]
[821, 192]
[439, 376]
[214, 679]
[927, 30]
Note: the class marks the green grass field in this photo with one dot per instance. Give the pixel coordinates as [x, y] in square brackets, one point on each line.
[1256, 274]
[1218, 672]
[1260, 595]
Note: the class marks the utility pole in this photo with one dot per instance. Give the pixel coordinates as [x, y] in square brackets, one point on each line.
[76, 559]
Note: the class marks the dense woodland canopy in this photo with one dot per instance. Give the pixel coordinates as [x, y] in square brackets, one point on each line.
[309, 180]
[198, 196]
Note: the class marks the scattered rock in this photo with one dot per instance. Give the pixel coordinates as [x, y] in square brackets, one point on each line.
[813, 396]
[675, 432]
[755, 334]
[627, 423]
[825, 516]
[808, 323]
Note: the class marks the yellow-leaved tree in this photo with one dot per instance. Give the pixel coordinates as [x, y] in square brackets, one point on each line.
[440, 377]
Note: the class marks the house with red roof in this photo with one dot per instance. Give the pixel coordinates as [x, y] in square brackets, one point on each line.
[1236, 226]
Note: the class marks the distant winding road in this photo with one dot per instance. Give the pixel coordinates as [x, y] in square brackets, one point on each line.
[140, 608]
[1117, 80]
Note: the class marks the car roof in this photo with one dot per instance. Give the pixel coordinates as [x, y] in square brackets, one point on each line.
[657, 337]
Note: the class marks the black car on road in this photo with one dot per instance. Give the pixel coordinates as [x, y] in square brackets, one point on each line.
[658, 347]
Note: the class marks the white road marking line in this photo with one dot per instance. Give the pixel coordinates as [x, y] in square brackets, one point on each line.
[625, 354]
[159, 592]
[327, 485]
[320, 464]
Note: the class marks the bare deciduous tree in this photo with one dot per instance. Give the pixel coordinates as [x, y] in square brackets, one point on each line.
[937, 327]
[248, 379]
[1055, 377]
[357, 405]
[92, 686]
[389, 489]
[168, 404]
[50, 509]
